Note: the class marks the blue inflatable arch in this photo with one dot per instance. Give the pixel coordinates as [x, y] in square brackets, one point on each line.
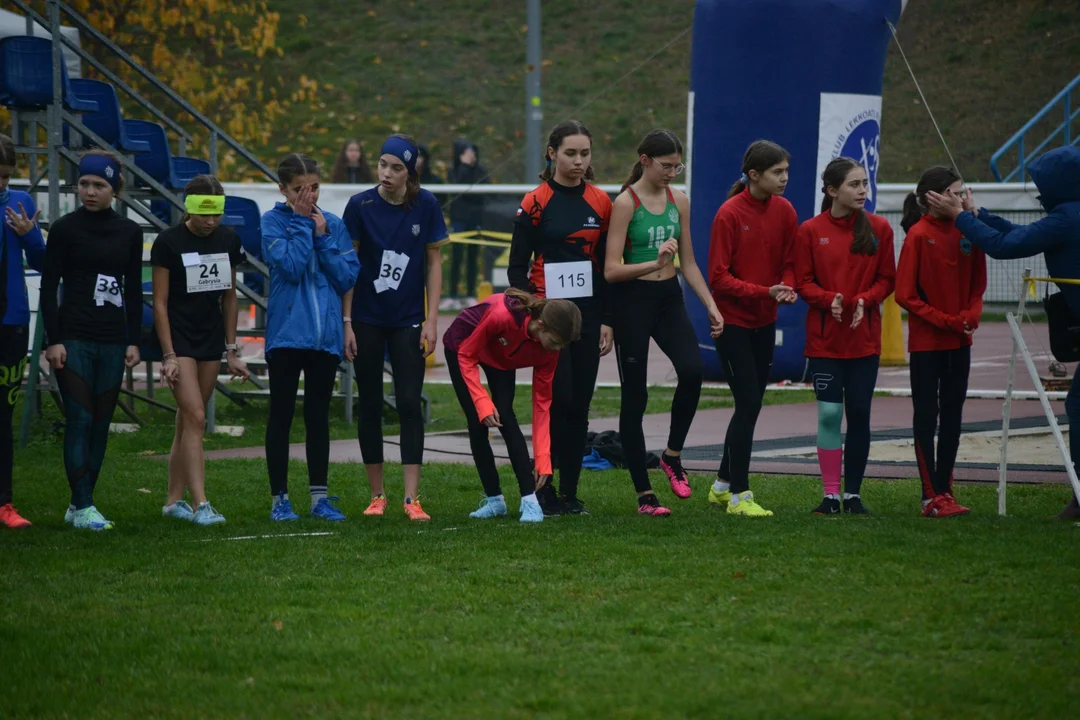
[806, 74]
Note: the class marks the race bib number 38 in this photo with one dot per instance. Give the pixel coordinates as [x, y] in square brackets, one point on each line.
[209, 273]
[107, 290]
[568, 279]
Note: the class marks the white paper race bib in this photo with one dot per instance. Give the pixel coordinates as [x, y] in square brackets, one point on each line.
[107, 290]
[391, 270]
[568, 279]
[212, 272]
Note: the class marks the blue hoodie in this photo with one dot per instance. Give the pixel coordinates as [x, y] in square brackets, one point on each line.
[308, 276]
[1057, 176]
[12, 248]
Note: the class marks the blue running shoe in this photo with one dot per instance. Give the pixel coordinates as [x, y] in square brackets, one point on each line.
[490, 507]
[325, 509]
[207, 515]
[531, 512]
[282, 510]
[179, 510]
[90, 519]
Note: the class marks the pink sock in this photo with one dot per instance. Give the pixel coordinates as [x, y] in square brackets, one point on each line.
[830, 461]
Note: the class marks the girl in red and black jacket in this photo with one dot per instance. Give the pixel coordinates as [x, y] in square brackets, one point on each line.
[844, 269]
[558, 252]
[940, 281]
[504, 333]
[750, 273]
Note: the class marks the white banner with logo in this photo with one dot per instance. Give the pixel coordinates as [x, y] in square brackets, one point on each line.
[850, 125]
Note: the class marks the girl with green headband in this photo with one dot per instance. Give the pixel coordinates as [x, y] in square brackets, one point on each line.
[195, 319]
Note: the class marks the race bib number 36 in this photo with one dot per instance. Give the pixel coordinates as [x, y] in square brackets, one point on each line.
[568, 279]
[107, 290]
[391, 270]
[210, 273]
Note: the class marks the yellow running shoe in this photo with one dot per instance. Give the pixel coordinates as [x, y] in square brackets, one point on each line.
[719, 498]
[746, 506]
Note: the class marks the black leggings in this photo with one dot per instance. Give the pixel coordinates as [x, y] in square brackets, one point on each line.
[938, 376]
[320, 372]
[13, 346]
[746, 356]
[654, 310]
[373, 342]
[572, 391]
[501, 384]
[90, 386]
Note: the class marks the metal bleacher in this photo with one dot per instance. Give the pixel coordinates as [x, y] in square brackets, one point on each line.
[75, 114]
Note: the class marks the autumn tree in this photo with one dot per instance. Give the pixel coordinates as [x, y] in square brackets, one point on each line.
[212, 52]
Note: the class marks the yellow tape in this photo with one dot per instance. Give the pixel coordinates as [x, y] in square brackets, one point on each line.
[1060, 281]
[482, 237]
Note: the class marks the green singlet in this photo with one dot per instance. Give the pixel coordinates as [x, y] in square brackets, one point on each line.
[647, 232]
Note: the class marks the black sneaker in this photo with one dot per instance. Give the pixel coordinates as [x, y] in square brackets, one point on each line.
[854, 506]
[550, 503]
[573, 506]
[828, 506]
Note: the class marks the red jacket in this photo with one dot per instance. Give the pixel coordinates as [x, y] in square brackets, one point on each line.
[750, 248]
[495, 333]
[825, 266]
[940, 281]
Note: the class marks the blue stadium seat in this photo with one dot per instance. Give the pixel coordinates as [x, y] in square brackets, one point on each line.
[184, 169]
[26, 76]
[156, 162]
[107, 121]
[250, 235]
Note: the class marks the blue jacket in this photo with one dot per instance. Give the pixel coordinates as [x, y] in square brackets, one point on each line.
[1057, 176]
[308, 276]
[13, 285]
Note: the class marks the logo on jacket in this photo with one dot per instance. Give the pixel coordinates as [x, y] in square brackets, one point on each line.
[965, 246]
[673, 215]
[415, 230]
[746, 228]
[823, 241]
[929, 241]
[503, 341]
[591, 222]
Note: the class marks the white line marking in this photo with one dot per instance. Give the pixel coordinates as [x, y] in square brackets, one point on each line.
[267, 537]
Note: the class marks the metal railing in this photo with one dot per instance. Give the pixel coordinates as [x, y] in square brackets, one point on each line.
[1019, 141]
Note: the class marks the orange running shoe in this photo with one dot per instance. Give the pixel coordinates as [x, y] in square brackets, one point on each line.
[10, 516]
[416, 513]
[377, 506]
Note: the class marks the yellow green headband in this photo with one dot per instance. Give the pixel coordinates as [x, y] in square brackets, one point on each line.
[205, 204]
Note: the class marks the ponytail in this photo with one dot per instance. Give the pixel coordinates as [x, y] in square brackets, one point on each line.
[865, 243]
[635, 175]
[561, 318]
[912, 212]
[737, 188]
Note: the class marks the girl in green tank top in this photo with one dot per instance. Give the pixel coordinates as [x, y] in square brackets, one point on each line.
[647, 231]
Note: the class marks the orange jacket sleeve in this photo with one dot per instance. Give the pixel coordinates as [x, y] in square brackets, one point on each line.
[721, 243]
[907, 286]
[469, 361]
[543, 375]
[973, 312]
[806, 283]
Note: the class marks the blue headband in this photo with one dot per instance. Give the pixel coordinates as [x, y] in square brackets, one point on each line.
[745, 179]
[403, 150]
[103, 167]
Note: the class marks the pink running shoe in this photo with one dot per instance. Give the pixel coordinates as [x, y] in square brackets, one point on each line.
[651, 510]
[680, 484]
[377, 507]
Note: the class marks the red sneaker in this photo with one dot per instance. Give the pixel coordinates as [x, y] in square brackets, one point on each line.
[10, 516]
[943, 506]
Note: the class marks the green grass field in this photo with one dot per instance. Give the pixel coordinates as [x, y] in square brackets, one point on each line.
[610, 615]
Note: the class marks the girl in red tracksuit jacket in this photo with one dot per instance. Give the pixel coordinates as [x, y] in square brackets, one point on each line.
[503, 333]
[940, 282]
[844, 269]
[750, 273]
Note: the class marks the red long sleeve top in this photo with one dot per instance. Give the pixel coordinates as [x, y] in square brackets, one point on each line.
[750, 250]
[825, 266]
[940, 281]
[495, 333]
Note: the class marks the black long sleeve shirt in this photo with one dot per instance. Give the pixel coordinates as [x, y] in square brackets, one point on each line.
[98, 257]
